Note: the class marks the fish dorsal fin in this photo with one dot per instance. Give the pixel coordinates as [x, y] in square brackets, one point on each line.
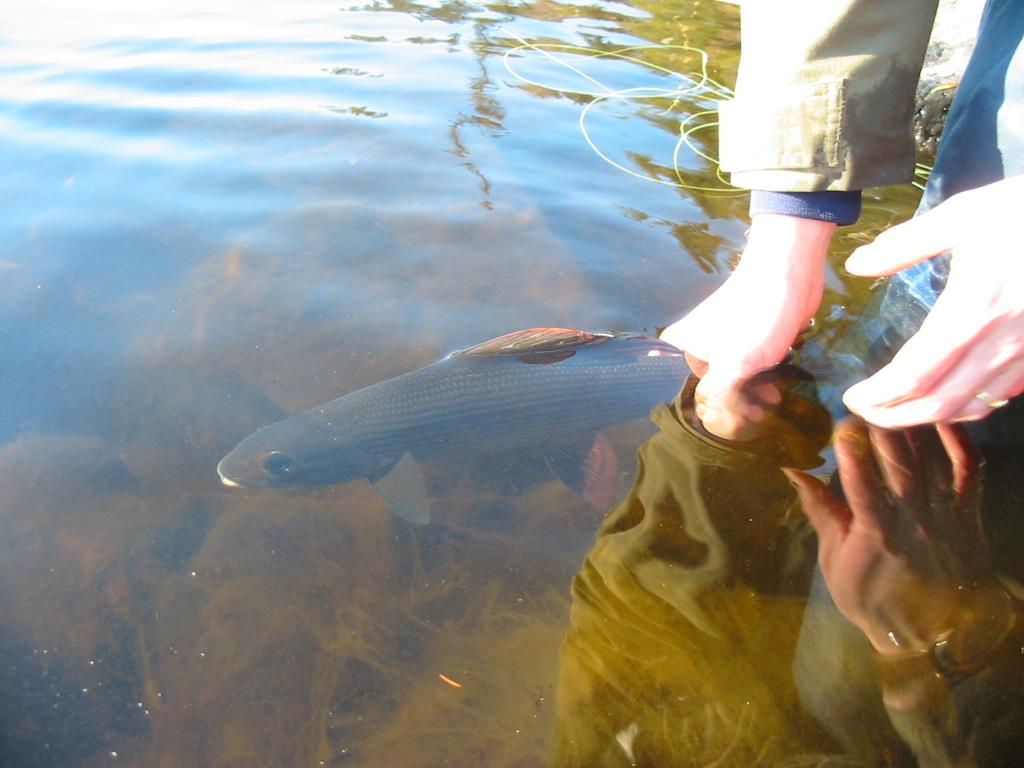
[404, 491]
[535, 345]
[546, 357]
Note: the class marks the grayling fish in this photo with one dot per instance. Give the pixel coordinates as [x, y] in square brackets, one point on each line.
[551, 388]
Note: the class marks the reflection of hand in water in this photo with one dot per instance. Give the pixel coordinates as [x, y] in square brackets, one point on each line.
[774, 406]
[899, 553]
[906, 560]
[740, 415]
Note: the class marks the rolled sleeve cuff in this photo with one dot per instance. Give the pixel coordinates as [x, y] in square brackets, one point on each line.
[837, 207]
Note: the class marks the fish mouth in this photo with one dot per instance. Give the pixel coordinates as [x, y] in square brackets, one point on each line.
[225, 479]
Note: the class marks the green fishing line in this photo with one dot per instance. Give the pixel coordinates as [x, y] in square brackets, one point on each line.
[698, 83]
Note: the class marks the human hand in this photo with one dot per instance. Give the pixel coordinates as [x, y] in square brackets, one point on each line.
[968, 356]
[748, 324]
[908, 537]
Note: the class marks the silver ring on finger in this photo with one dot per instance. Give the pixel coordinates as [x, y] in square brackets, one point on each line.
[989, 401]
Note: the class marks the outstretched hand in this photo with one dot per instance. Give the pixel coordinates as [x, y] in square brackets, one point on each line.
[898, 552]
[968, 356]
[748, 324]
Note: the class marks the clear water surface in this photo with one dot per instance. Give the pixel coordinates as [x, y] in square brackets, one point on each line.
[215, 214]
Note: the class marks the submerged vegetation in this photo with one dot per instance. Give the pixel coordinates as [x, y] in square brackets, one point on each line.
[224, 223]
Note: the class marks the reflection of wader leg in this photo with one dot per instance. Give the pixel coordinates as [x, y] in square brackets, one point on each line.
[983, 141]
[834, 672]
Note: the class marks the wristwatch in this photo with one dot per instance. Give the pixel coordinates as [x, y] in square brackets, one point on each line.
[985, 622]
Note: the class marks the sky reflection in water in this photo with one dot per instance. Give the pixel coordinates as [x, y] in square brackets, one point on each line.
[215, 215]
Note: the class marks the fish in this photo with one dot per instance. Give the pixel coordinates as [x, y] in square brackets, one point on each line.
[554, 389]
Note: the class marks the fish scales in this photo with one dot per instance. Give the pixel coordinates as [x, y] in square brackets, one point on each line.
[435, 416]
[542, 387]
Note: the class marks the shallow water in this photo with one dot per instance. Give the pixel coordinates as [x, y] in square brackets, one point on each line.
[217, 214]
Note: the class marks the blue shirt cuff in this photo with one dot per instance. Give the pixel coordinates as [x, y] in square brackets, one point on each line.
[837, 207]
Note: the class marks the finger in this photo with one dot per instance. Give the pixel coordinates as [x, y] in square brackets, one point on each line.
[725, 409]
[969, 556]
[1000, 387]
[1009, 382]
[943, 338]
[736, 408]
[698, 365]
[1004, 383]
[767, 387]
[964, 393]
[897, 463]
[951, 520]
[697, 333]
[739, 360]
[730, 425]
[961, 323]
[971, 410]
[964, 458]
[678, 336]
[933, 464]
[861, 479]
[908, 243]
[936, 500]
[829, 516]
[765, 392]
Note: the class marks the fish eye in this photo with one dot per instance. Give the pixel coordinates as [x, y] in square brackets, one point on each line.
[278, 464]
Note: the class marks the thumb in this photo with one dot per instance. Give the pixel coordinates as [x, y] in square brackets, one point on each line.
[827, 514]
[906, 244]
[692, 334]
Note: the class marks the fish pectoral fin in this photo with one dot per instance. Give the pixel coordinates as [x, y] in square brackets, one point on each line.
[588, 466]
[404, 491]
